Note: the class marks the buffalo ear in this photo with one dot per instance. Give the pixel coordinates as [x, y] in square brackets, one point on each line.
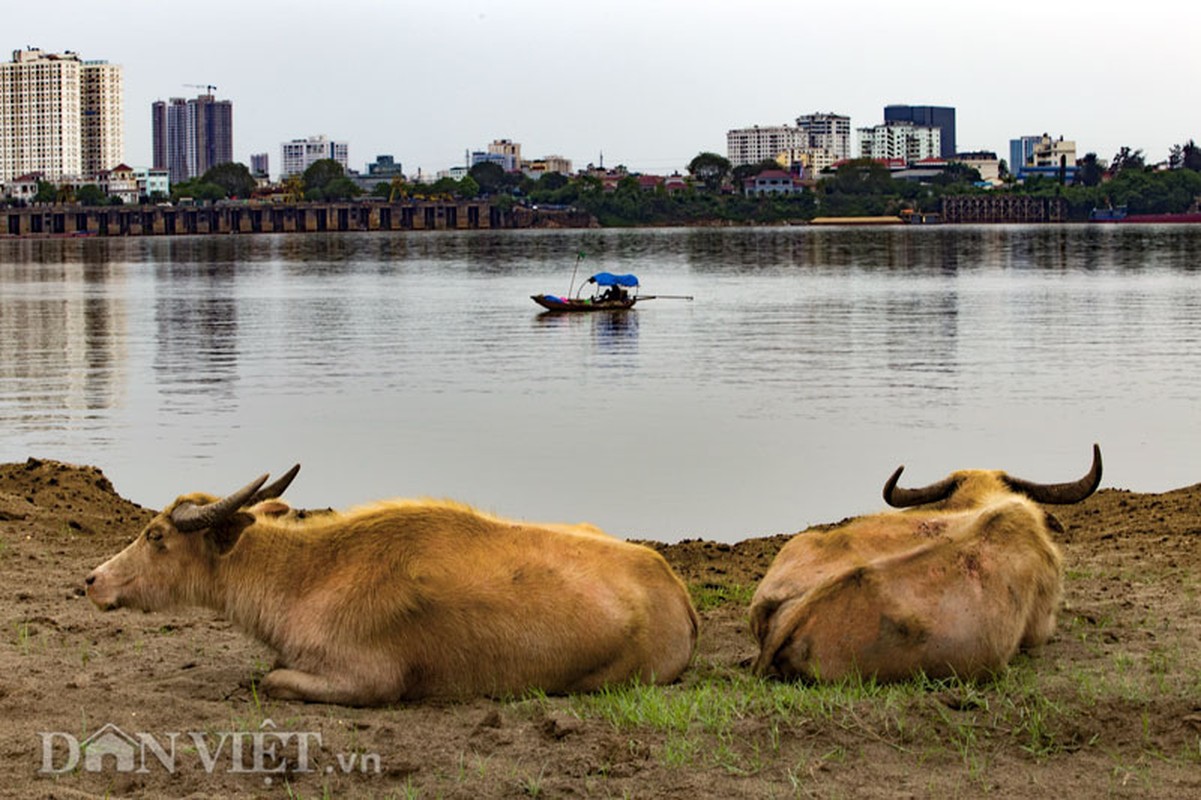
[779, 630]
[1053, 522]
[272, 508]
[226, 533]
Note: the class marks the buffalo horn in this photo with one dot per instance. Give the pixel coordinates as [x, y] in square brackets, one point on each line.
[1061, 493]
[904, 498]
[188, 517]
[275, 488]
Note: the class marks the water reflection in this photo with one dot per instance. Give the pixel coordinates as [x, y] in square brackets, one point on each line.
[416, 363]
[62, 340]
[196, 336]
[609, 331]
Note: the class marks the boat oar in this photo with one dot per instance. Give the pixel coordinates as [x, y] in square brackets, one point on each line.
[664, 297]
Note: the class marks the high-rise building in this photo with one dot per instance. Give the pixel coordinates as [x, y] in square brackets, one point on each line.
[102, 117]
[163, 130]
[59, 115]
[819, 140]
[829, 132]
[259, 165]
[299, 154]
[211, 122]
[190, 137]
[756, 144]
[902, 141]
[941, 117]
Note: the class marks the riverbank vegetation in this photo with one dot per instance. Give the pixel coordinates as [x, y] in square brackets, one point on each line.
[713, 191]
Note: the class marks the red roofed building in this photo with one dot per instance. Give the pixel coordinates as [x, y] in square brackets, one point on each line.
[648, 183]
[120, 181]
[23, 187]
[675, 183]
[772, 181]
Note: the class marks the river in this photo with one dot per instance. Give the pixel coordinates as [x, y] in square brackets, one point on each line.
[811, 363]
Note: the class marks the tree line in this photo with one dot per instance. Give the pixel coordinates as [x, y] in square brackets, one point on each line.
[859, 187]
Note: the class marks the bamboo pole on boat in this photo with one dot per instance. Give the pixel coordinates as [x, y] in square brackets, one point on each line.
[571, 287]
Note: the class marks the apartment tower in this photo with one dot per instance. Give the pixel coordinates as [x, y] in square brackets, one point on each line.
[900, 141]
[941, 117]
[103, 117]
[756, 144]
[59, 116]
[829, 132]
[190, 137]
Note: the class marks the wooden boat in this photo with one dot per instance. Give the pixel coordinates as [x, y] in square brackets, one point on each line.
[554, 303]
[614, 298]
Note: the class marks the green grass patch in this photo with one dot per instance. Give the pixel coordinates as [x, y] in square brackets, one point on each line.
[733, 720]
[708, 596]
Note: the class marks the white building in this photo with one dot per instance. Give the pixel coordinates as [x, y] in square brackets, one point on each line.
[829, 132]
[900, 140]
[103, 117]
[299, 154]
[22, 187]
[755, 144]
[59, 115]
[772, 182]
[817, 141]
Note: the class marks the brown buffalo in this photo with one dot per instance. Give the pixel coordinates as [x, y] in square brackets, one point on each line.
[408, 599]
[954, 584]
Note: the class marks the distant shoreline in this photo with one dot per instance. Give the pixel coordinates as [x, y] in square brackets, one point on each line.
[232, 217]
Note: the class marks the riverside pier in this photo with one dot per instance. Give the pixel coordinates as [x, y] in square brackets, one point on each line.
[248, 217]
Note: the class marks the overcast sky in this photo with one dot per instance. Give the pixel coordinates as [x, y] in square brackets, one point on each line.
[647, 83]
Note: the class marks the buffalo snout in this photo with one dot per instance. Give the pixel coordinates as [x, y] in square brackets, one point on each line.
[96, 591]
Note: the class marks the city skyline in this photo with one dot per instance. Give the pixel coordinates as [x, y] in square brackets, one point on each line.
[648, 85]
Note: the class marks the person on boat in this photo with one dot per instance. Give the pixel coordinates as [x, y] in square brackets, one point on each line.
[615, 293]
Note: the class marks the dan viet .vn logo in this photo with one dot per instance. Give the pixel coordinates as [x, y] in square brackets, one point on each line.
[266, 751]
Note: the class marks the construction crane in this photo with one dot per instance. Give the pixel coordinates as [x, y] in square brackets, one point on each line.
[208, 87]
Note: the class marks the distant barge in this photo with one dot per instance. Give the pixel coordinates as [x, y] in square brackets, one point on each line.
[1120, 214]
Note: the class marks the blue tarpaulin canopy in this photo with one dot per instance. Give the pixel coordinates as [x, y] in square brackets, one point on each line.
[609, 279]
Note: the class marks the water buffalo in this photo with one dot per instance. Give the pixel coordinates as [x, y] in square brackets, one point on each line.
[407, 599]
[955, 583]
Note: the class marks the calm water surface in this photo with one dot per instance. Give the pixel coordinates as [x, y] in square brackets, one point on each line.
[811, 363]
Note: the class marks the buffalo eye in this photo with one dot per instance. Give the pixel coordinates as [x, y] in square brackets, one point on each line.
[154, 536]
